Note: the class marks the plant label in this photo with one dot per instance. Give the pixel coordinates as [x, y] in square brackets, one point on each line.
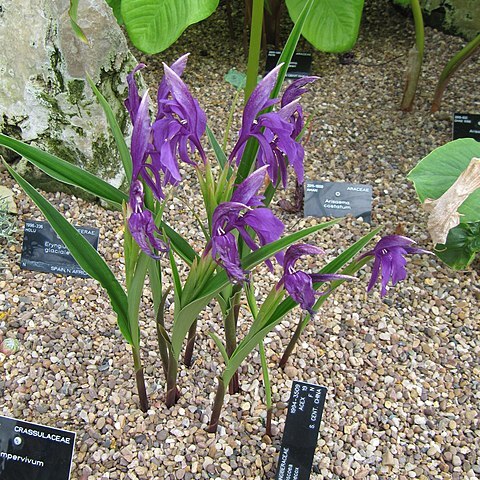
[43, 251]
[305, 410]
[30, 451]
[466, 125]
[337, 199]
[300, 65]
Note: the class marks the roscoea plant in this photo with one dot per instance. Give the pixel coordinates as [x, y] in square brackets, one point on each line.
[240, 231]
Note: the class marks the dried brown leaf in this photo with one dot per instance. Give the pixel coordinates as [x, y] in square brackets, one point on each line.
[444, 210]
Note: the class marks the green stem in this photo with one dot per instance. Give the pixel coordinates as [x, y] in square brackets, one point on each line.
[268, 388]
[291, 344]
[415, 61]
[217, 406]
[451, 67]
[162, 344]
[230, 119]
[254, 48]
[140, 379]
[231, 333]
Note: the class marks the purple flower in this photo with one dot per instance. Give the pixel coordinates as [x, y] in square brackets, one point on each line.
[244, 210]
[292, 93]
[141, 223]
[132, 102]
[276, 132]
[389, 255]
[299, 284]
[180, 124]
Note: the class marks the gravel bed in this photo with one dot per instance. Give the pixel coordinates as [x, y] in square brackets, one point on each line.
[402, 373]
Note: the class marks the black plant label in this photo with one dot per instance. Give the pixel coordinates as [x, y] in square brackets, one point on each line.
[466, 125]
[300, 65]
[338, 199]
[29, 451]
[305, 410]
[44, 251]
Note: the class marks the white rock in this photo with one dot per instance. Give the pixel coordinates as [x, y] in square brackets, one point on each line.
[44, 97]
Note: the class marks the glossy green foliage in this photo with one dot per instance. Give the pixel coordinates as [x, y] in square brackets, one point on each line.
[437, 172]
[463, 244]
[153, 25]
[332, 25]
[432, 177]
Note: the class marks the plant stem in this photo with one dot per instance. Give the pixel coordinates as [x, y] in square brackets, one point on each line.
[140, 379]
[451, 67]
[230, 119]
[254, 48]
[217, 406]
[415, 60]
[172, 391]
[188, 356]
[160, 323]
[268, 388]
[291, 344]
[231, 333]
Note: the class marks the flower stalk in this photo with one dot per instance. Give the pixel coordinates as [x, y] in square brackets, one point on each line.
[217, 406]
[140, 380]
[255, 46]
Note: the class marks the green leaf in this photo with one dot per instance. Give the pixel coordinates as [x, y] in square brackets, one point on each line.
[277, 310]
[217, 149]
[154, 25]
[72, 12]
[116, 5]
[219, 345]
[181, 247]
[85, 255]
[332, 267]
[65, 172]
[187, 315]
[332, 25]
[134, 296]
[116, 130]
[463, 243]
[236, 79]
[439, 170]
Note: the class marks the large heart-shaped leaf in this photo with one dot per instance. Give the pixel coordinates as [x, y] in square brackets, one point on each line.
[332, 25]
[153, 25]
[463, 244]
[437, 172]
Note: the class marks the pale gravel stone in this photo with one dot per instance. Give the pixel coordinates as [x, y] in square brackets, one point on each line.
[369, 353]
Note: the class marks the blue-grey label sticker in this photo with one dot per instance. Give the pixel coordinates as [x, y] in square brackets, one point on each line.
[44, 251]
[29, 451]
[305, 410]
[338, 199]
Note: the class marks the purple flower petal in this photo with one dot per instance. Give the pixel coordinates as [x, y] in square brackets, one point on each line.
[246, 191]
[132, 102]
[140, 136]
[390, 261]
[178, 67]
[296, 90]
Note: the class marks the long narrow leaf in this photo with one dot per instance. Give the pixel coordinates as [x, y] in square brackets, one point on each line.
[256, 335]
[134, 296]
[72, 12]
[85, 255]
[64, 171]
[217, 149]
[189, 312]
[116, 130]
